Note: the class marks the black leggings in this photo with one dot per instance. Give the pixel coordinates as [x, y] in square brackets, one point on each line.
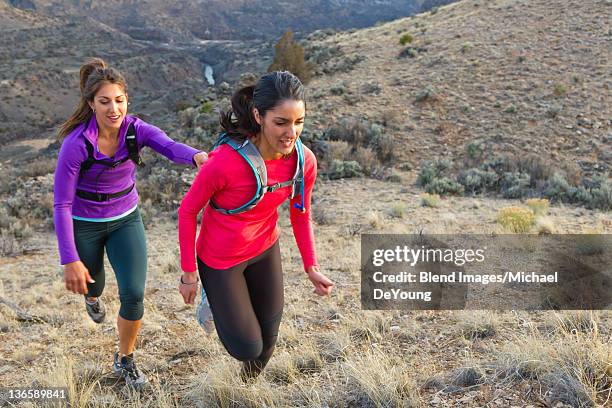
[247, 304]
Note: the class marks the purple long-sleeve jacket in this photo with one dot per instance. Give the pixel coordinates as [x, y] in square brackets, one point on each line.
[102, 179]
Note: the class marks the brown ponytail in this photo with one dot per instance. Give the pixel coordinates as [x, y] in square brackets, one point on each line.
[239, 121]
[93, 74]
[270, 91]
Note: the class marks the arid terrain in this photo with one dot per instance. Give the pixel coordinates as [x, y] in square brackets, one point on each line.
[513, 94]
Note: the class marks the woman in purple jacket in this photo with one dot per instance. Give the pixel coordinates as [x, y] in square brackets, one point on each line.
[95, 202]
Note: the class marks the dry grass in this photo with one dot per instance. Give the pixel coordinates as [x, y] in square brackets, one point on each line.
[375, 220]
[398, 210]
[329, 351]
[81, 382]
[430, 200]
[545, 225]
[378, 379]
[477, 324]
[221, 387]
[539, 206]
[572, 364]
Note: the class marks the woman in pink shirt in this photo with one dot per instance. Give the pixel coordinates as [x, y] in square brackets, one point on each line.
[237, 252]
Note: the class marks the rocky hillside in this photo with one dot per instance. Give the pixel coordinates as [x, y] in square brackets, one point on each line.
[223, 20]
[43, 43]
[40, 58]
[519, 76]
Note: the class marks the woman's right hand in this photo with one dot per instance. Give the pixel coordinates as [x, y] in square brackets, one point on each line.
[76, 277]
[323, 286]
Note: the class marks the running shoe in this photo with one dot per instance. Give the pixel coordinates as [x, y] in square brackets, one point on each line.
[204, 314]
[125, 367]
[96, 311]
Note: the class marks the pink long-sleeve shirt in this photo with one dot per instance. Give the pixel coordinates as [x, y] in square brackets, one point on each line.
[227, 240]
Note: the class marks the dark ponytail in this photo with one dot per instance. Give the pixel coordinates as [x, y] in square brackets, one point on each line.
[93, 74]
[270, 91]
[239, 121]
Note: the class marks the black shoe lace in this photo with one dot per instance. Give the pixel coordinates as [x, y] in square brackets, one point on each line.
[131, 369]
[95, 307]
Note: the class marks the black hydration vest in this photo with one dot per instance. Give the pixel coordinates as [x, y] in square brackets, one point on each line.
[133, 154]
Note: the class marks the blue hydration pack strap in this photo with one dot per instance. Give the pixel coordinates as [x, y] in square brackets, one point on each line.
[251, 155]
[298, 178]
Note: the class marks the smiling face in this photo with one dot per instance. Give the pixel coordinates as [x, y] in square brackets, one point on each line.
[280, 128]
[110, 106]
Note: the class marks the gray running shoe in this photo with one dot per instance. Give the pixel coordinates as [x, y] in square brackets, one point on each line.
[126, 368]
[204, 314]
[97, 311]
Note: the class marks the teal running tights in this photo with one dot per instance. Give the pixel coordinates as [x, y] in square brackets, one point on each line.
[125, 244]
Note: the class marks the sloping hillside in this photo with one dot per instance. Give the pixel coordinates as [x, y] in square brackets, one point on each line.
[224, 20]
[520, 76]
[40, 58]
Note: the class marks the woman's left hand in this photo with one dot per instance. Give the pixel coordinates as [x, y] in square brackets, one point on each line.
[188, 287]
[322, 284]
[200, 158]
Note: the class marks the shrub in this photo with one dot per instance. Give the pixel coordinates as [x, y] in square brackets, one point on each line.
[539, 206]
[38, 168]
[538, 168]
[163, 187]
[477, 181]
[560, 90]
[182, 105]
[444, 186]
[344, 169]
[391, 118]
[432, 170]
[398, 210]
[393, 176]
[207, 107]
[13, 232]
[409, 52]
[511, 109]
[601, 195]
[337, 89]
[558, 189]
[474, 151]
[406, 39]
[362, 133]
[339, 149]
[187, 117]
[428, 93]
[516, 219]
[9, 245]
[591, 243]
[435, 178]
[553, 111]
[430, 200]
[384, 146]
[515, 184]
[321, 149]
[466, 47]
[366, 159]
[545, 225]
[321, 216]
[350, 130]
[371, 88]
